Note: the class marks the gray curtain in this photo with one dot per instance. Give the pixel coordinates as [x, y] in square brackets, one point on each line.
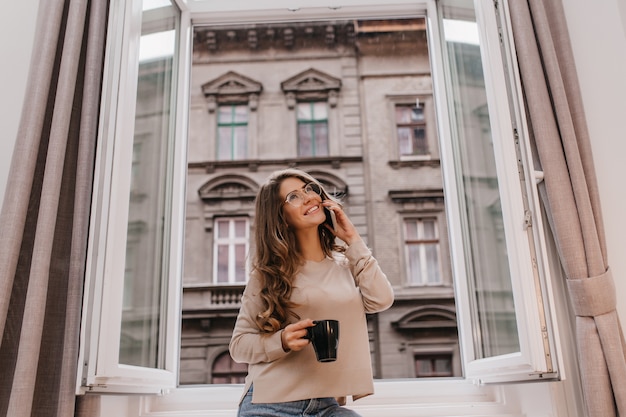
[45, 213]
[570, 194]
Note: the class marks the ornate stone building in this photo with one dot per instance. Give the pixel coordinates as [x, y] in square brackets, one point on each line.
[350, 102]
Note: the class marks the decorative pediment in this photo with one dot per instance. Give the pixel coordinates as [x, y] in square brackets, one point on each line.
[312, 84]
[228, 187]
[232, 88]
[427, 316]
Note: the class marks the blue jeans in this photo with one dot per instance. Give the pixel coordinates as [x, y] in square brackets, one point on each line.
[316, 407]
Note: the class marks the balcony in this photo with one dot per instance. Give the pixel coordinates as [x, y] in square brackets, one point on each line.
[211, 300]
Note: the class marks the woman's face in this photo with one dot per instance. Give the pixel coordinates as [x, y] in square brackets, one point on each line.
[310, 213]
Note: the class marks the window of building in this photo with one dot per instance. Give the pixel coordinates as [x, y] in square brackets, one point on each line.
[230, 250]
[313, 95]
[128, 324]
[231, 102]
[227, 371]
[422, 251]
[411, 130]
[435, 365]
[414, 137]
[232, 132]
[312, 120]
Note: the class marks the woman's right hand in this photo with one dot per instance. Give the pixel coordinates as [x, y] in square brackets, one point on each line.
[292, 336]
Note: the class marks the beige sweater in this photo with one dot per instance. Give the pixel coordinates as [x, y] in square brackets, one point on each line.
[343, 288]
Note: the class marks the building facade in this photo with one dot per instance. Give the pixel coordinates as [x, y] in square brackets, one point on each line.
[351, 103]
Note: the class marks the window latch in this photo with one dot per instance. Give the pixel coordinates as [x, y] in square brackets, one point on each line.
[528, 219]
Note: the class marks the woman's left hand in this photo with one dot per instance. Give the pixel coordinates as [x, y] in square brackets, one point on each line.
[344, 229]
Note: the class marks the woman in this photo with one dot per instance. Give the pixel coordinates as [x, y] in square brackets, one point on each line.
[299, 274]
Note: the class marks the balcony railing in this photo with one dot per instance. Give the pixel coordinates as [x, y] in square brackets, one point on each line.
[212, 297]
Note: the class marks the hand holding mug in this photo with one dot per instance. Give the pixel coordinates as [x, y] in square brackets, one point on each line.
[293, 336]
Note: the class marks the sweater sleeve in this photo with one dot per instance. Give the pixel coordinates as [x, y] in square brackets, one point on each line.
[376, 291]
[248, 344]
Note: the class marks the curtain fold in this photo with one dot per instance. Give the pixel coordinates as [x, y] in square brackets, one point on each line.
[559, 130]
[45, 213]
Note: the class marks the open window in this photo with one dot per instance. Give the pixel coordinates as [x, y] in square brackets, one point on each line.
[477, 244]
[493, 207]
[129, 328]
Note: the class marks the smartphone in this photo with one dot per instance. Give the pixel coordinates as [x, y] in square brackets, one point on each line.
[330, 218]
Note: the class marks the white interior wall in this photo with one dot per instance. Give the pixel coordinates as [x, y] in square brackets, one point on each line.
[17, 32]
[598, 34]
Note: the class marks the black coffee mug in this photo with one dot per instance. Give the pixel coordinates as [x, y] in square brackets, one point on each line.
[324, 337]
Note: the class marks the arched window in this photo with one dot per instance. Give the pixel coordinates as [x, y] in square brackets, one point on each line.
[226, 371]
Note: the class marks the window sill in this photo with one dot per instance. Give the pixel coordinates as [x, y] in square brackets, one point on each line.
[431, 397]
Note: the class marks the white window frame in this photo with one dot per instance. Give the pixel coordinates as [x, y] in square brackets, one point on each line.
[539, 350]
[406, 396]
[230, 241]
[104, 282]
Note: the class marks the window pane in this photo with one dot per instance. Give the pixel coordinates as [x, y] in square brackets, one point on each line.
[429, 230]
[478, 190]
[411, 229]
[443, 366]
[415, 265]
[241, 228]
[240, 142]
[321, 139]
[432, 263]
[222, 263]
[240, 263]
[419, 141]
[222, 229]
[305, 145]
[224, 115]
[417, 114]
[240, 114]
[320, 111]
[145, 276]
[403, 114]
[405, 145]
[224, 143]
[422, 368]
[304, 111]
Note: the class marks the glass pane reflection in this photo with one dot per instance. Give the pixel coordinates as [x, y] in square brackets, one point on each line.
[145, 270]
[486, 258]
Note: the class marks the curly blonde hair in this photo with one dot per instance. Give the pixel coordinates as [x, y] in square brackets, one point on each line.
[277, 257]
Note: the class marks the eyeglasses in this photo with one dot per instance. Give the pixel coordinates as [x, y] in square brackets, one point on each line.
[296, 198]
